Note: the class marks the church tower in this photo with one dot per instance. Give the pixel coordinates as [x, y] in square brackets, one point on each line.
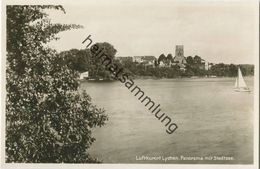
[179, 52]
[179, 55]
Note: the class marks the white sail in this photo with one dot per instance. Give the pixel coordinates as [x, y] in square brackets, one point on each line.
[241, 81]
[236, 83]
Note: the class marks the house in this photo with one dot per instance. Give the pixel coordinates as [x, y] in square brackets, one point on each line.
[165, 63]
[147, 60]
[205, 65]
[208, 65]
[202, 65]
[84, 75]
[137, 59]
[124, 59]
[182, 67]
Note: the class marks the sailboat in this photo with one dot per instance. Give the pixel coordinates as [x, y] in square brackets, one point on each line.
[240, 84]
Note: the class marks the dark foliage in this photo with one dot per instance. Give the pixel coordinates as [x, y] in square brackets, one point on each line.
[48, 120]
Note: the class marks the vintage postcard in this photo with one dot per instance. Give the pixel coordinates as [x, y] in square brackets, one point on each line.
[140, 83]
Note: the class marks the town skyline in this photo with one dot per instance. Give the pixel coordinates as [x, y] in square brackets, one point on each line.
[217, 32]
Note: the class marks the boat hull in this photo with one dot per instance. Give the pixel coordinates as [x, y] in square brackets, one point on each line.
[242, 89]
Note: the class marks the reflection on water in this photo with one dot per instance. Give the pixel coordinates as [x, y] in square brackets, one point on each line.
[212, 120]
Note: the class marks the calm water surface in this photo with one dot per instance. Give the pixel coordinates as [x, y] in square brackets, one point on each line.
[212, 119]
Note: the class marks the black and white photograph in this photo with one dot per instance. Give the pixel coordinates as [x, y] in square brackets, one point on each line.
[145, 82]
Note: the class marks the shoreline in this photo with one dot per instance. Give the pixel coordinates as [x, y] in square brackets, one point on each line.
[157, 78]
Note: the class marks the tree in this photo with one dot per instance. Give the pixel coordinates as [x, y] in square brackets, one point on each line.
[197, 59]
[189, 60]
[162, 57]
[47, 119]
[99, 69]
[169, 57]
[109, 49]
[232, 70]
[79, 60]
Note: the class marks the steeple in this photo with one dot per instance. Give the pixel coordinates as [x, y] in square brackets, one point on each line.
[179, 51]
[179, 55]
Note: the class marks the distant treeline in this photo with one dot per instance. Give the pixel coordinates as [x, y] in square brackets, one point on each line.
[220, 70]
[81, 60]
[230, 70]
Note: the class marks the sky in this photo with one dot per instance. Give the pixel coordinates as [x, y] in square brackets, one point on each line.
[217, 31]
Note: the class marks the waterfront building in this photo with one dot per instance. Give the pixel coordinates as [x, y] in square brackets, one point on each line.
[84, 75]
[144, 59]
[165, 63]
[123, 59]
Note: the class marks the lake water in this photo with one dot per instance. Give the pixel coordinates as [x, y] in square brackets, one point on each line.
[213, 120]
